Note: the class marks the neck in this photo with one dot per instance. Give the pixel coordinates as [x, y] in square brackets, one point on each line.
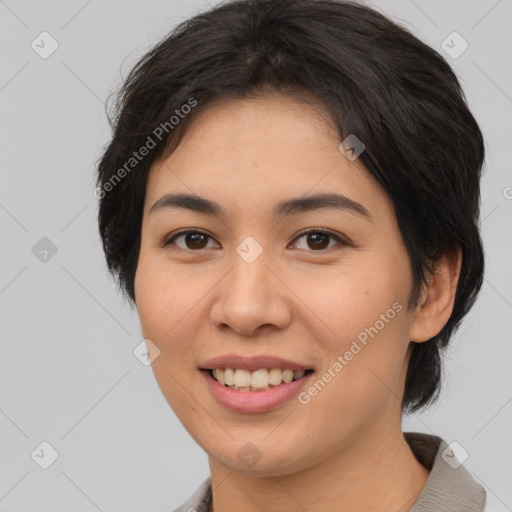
[375, 471]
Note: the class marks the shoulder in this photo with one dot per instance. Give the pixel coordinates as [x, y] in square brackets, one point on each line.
[200, 499]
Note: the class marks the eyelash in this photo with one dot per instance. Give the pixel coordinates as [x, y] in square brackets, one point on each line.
[170, 241]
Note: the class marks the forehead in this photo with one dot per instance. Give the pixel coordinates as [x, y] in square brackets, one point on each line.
[257, 152]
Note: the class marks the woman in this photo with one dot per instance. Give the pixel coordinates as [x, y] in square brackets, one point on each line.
[291, 200]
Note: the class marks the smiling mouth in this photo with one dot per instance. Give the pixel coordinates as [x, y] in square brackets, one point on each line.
[258, 380]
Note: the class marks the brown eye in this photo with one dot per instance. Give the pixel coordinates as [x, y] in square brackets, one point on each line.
[193, 240]
[319, 240]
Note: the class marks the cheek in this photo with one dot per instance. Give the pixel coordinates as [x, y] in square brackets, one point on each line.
[166, 295]
[350, 299]
[167, 302]
[360, 321]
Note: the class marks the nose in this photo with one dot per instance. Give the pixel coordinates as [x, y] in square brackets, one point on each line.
[251, 299]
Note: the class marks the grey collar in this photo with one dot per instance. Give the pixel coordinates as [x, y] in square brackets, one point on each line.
[450, 487]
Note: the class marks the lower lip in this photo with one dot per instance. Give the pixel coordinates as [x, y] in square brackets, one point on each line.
[253, 401]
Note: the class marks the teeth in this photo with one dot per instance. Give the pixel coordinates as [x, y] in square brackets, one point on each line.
[287, 376]
[244, 380]
[259, 378]
[229, 376]
[219, 375]
[276, 376]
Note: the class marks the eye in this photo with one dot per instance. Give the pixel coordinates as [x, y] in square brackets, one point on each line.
[319, 239]
[193, 240]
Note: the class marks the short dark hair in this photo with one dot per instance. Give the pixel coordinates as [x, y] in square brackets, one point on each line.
[376, 79]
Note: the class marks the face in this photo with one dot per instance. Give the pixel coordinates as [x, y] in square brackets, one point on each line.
[319, 284]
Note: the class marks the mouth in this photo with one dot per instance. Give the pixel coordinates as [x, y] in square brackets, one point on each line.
[262, 379]
[258, 391]
[255, 383]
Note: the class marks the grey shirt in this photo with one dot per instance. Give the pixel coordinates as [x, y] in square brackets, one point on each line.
[449, 488]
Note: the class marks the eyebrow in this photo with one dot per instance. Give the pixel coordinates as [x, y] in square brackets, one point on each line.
[281, 209]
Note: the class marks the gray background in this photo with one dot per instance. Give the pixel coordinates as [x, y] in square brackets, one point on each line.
[68, 375]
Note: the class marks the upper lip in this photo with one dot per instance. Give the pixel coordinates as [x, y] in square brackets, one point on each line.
[252, 363]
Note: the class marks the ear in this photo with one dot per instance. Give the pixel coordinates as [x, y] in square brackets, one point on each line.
[436, 302]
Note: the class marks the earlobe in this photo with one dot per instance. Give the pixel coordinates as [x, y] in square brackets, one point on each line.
[436, 304]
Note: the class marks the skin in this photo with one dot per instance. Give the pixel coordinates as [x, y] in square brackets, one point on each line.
[344, 450]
